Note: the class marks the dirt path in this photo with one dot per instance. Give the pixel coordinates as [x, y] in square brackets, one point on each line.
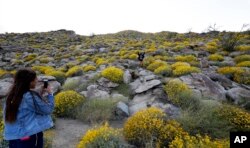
[69, 132]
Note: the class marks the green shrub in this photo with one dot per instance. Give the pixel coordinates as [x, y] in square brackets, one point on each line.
[71, 84]
[97, 110]
[229, 41]
[66, 102]
[205, 120]
[113, 73]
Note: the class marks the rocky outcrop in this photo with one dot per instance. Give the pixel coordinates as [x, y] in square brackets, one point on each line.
[239, 96]
[203, 84]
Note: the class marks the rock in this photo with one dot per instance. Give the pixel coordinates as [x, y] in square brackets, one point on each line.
[147, 85]
[204, 63]
[145, 73]
[239, 96]
[207, 87]
[149, 77]
[94, 92]
[4, 88]
[141, 101]
[127, 77]
[134, 85]
[171, 110]
[121, 110]
[224, 81]
[107, 83]
[160, 94]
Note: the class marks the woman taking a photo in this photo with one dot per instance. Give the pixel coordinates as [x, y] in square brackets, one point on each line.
[26, 113]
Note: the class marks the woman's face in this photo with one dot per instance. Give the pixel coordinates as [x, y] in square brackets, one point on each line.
[33, 83]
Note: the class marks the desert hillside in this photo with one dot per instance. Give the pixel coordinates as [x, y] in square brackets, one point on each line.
[191, 89]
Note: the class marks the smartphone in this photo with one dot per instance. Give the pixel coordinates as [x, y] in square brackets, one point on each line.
[45, 83]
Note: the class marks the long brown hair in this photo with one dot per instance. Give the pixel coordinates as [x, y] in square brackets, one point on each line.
[22, 80]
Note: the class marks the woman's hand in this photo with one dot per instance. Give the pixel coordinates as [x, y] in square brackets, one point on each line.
[48, 90]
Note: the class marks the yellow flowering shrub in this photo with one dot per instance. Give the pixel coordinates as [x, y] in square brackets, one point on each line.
[242, 58]
[101, 61]
[103, 136]
[30, 57]
[188, 141]
[42, 69]
[170, 130]
[174, 88]
[179, 47]
[164, 70]
[212, 46]
[148, 60]
[177, 64]
[74, 71]
[187, 58]
[238, 74]
[243, 48]
[1, 124]
[60, 76]
[156, 64]
[239, 118]
[3, 72]
[216, 57]
[244, 64]
[242, 76]
[144, 125]
[113, 73]
[133, 56]
[66, 102]
[89, 68]
[184, 70]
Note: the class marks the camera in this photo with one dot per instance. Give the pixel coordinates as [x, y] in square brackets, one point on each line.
[45, 83]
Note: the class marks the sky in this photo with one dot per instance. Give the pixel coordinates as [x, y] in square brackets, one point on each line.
[88, 17]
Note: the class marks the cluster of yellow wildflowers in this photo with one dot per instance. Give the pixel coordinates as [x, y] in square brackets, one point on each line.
[103, 136]
[66, 101]
[238, 74]
[243, 48]
[156, 64]
[1, 124]
[215, 57]
[43, 69]
[101, 61]
[212, 46]
[173, 89]
[74, 71]
[188, 141]
[89, 68]
[183, 68]
[133, 56]
[187, 58]
[3, 72]
[165, 70]
[30, 57]
[144, 125]
[60, 76]
[244, 64]
[113, 73]
[239, 118]
[242, 58]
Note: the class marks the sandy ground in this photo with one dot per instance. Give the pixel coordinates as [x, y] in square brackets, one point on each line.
[68, 132]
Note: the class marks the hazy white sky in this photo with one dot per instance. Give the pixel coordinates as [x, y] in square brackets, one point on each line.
[110, 16]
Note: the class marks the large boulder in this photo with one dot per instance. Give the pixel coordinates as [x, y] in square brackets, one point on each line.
[121, 110]
[239, 96]
[147, 85]
[107, 83]
[93, 92]
[5, 86]
[207, 87]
